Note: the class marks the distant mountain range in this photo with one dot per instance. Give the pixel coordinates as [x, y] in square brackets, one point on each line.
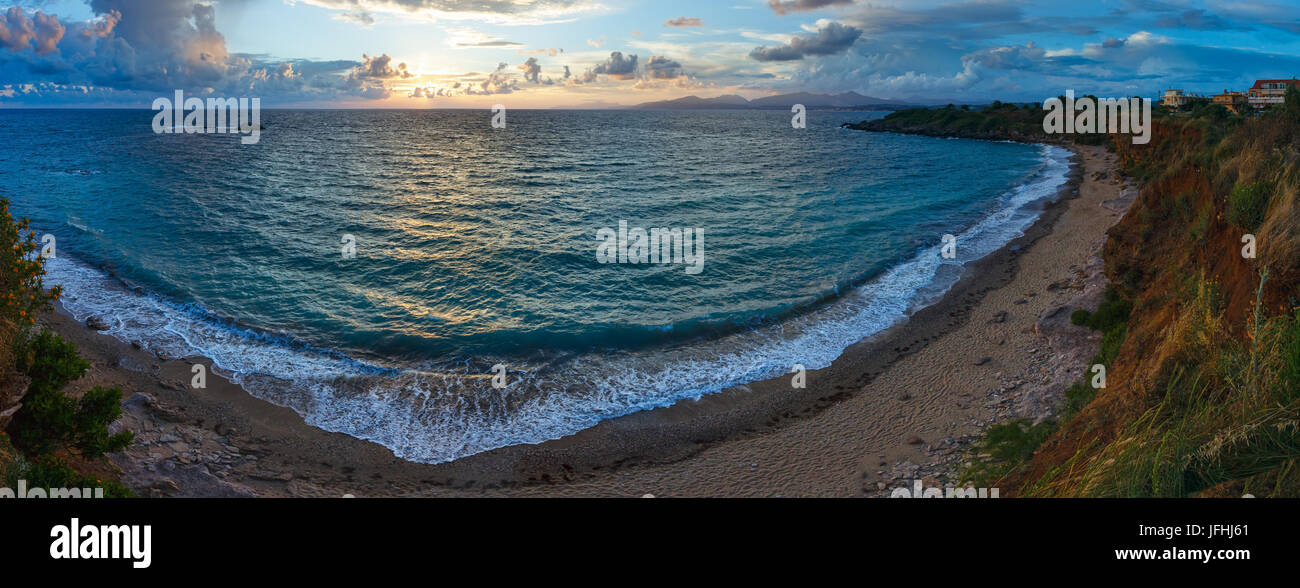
[845, 101]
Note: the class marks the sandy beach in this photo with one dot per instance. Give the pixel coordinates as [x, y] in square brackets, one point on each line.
[899, 406]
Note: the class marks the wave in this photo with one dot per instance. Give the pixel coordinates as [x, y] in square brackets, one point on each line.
[437, 412]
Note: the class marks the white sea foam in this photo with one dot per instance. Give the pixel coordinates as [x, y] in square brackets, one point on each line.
[436, 415]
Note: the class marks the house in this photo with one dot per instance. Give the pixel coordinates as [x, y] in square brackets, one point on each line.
[1267, 93]
[1173, 99]
[1235, 102]
[1176, 99]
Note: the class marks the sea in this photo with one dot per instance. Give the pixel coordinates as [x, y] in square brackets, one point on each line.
[431, 283]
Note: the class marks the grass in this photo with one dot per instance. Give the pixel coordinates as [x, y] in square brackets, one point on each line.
[1228, 416]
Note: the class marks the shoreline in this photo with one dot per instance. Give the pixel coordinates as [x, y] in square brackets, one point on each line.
[223, 441]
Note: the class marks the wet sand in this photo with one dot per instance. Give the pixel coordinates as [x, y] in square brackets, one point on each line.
[898, 406]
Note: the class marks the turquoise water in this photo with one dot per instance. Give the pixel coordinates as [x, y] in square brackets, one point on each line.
[477, 246]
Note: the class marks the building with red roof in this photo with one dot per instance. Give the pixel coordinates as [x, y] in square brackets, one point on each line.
[1266, 93]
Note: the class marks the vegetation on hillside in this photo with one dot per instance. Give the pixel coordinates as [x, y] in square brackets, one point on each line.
[1202, 341]
[996, 121]
[48, 435]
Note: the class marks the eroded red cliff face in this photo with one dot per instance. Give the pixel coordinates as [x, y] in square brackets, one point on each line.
[1178, 243]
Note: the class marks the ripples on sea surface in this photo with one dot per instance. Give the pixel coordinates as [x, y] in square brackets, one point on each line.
[477, 246]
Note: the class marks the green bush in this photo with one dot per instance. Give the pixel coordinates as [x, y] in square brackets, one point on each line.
[1247, 205]
[1076, 397]
[1003, 448]
[52, 472]
[1111, 313]
[49, 419]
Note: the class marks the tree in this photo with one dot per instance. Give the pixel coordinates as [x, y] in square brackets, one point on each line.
[49, 419]
[1292, 104]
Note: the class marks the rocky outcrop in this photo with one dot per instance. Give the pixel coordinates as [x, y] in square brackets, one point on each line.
[172, 458]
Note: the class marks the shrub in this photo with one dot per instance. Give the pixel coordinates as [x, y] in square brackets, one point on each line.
[1111, 313]
[22, 294]
[52, 472]
[49, 419]
[1247, 205]
[34, 369]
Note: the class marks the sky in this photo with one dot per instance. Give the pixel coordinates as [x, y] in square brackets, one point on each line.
[606, 53]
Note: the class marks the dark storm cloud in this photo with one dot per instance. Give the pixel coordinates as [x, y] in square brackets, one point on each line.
[617, 66]
[659, 67]
[831, 39]
[789, 6]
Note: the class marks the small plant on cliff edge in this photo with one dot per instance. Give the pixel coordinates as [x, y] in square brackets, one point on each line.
[1111, 318]
[1004, 448]
[1247, 205]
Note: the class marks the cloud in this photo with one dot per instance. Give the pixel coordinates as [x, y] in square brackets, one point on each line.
[787, 7]
[1015, 57]
[1260, 12]
[552, 51]
[496, 43]
[381, 68]
[507, 12]
[661, 68]
[41, 32]
[132, 51]
[498, 82]
[830, 39]
[532, 70]
[618, 66]
[1196, 19]
[971, 19]
[683, 21]
[357, 17]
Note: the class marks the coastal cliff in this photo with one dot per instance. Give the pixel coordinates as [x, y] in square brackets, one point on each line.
[1200, 327]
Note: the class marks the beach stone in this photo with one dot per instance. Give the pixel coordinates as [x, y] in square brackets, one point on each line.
[97, 323]
[914, 440]
[983, 360]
